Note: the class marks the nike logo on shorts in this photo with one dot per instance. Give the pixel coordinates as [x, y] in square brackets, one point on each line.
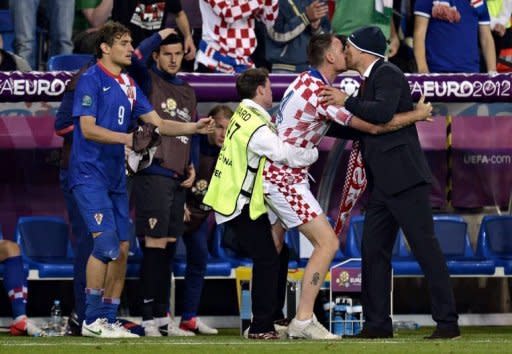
[105, 89]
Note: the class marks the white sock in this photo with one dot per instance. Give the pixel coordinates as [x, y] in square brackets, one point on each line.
[302, 323]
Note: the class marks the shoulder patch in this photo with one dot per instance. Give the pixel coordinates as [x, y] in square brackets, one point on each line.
[86, 101]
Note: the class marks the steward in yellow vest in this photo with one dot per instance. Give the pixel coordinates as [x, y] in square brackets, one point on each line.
[233, 175]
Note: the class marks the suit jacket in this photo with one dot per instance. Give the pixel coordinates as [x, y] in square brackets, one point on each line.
[394, 161]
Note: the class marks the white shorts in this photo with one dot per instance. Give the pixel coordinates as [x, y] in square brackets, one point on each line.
[293, 204]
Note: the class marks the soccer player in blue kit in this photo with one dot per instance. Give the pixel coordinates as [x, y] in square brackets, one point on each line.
[106, 100]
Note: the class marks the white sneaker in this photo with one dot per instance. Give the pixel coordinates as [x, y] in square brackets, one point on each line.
[99, 329]
[313, 330]
[173, 330]
[120, 331]
[197, 326]
[151, 329]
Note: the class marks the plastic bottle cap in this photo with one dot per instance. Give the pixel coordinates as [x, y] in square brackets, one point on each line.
[56, 302]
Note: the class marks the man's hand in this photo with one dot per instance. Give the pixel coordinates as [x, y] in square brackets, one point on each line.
[316, 10]
[191, 177]
[332, 96]
[499, 29]
[423, 110]
[394, 45]
[186, 214]
[190, 48]
[205, 126]
[166, 32]
[129, 141]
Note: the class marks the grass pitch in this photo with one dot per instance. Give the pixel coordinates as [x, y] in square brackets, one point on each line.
[485, 340]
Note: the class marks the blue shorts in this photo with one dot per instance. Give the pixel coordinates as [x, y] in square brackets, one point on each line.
[103, 210]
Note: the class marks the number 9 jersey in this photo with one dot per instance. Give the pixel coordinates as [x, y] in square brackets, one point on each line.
[114, 101]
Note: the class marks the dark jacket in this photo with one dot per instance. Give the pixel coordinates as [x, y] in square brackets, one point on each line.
[394, 161]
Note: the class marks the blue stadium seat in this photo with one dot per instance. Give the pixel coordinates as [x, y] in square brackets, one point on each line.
[45, 246]
[495, 240]
[68, 62]
[451, 231]
[215, 267]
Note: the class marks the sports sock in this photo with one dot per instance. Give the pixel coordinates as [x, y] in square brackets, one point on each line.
[153, 263]
[110, 306]
[15, 284]
[93, 304]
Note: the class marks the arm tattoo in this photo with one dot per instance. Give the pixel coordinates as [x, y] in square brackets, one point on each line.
[316, 279]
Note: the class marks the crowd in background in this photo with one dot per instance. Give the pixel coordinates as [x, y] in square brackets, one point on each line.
[231, 36]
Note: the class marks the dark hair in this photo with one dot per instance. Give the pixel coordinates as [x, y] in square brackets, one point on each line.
[108, 33]
[173, 38]
[318, 45]
[248, 82]
[226, 111]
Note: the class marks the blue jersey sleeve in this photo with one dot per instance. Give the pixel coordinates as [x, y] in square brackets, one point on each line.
[142, 105]
[423, 8]
[64, 116]
[483, 13]
[85, 102]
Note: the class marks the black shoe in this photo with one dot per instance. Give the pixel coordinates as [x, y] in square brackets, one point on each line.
[368, 333]
[271, 335]
[439, 333]
[73, 327]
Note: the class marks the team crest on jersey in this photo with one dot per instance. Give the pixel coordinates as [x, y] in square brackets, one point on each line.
[169, 107]
[200, 187]
[152, 222]
[86, 101]
[99, 218]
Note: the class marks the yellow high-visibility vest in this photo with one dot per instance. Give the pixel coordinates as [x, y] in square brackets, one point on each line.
[233, 175]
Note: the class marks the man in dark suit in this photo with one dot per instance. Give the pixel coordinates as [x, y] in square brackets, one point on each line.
[399, 184]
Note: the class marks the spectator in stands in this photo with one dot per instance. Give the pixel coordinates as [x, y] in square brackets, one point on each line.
[288, 38]
[160, 189]
[196, 224]
[350, 15]
[10, 61]
[145, 17]
[15, 284]
[191, 8]
[500, 12]
[90, 15]
[61, 14]
[229, 38]
[446, 36]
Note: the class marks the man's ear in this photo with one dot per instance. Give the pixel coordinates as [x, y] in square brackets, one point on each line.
[260, 90]
[329, 57]
[154, 55]
[105, 48]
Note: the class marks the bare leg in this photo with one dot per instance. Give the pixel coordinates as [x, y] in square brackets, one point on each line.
[116, 272]
[278, 236]
[320, 233]
[96, 271]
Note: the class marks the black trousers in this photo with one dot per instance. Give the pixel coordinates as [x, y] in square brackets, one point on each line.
[411, 211]
[254, 240]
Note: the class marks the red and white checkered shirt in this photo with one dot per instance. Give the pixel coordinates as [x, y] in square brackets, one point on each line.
[303, 121]
[228, 29]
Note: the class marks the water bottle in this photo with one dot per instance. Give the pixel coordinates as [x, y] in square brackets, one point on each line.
[357, 313]
[405, 325]
[56, 318]
[338, 321]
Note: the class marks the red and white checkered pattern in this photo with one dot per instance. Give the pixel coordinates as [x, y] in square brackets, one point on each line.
[17, 293]
[303, 121]
[228, 27]
[293, 204]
